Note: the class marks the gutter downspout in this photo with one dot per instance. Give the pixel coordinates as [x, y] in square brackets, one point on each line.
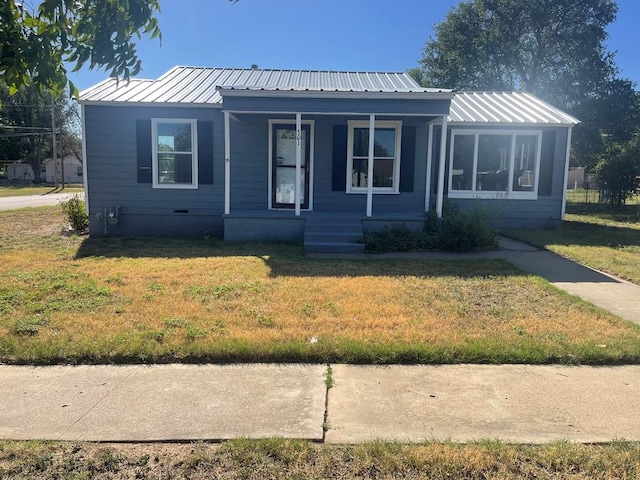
[227, 165]
[566, 174]
[85, 178]
[298, 161]
[443, 151]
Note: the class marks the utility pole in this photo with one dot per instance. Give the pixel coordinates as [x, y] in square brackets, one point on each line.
[55, 147]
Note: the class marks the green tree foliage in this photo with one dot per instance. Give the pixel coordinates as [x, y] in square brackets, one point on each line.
[35, 41]
[25, 126]
[539, 46]
[553, 49]
[619, 170]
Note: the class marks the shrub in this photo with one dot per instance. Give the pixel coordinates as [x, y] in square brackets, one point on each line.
[390, 239]
[464, 232]
[456, 231]
[618, 170]
[74, 210]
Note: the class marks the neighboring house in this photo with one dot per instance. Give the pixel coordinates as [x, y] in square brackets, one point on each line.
[222, 150]
[73, 172]
[20, 171]
[49, 171]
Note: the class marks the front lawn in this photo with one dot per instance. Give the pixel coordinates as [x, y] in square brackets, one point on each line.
[294, 459]
[605, 240]
[79, 299]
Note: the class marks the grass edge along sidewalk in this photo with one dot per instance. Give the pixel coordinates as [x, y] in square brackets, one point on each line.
[295, 459]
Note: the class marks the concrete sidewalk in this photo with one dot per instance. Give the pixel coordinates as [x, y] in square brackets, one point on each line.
[513, 403]
[162, 402]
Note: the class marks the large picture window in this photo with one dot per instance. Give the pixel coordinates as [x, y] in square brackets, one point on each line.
[491, 164]
[174, 153]
[386, 157]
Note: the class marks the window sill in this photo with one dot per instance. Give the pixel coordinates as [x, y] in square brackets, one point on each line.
[493, 195]
[375, 192]
[176, 186]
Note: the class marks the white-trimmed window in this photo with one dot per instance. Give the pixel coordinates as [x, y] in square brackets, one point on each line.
[386, 156]
[174, 151]
[485, 164]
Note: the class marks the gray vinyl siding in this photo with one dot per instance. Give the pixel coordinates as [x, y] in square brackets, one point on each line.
[112, 175]
[111, 170]
[250, 163]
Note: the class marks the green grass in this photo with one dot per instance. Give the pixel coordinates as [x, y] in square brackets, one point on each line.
[75, 299]
[22, 190]
[295, 459]
[605, 239]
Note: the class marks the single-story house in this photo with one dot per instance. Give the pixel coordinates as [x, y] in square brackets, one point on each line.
[20, 171]
[319, 156]
[49, 171]
[73, 171]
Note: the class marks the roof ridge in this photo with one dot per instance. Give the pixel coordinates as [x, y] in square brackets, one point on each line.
[368, 72]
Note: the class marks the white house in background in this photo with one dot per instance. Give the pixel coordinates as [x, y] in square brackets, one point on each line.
[72, 170]
[20, 170]
[49, 171]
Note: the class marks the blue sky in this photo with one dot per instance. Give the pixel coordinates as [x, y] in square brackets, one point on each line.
[372, 35]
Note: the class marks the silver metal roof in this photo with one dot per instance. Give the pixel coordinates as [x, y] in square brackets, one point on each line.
[515, 108]
[203, 86]
[200, 85]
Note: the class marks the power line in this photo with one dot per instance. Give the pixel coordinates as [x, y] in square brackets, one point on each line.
[13, 135]
[18, 127]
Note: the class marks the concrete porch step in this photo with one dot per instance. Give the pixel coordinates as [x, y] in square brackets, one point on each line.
[334, 247]
[333, 235]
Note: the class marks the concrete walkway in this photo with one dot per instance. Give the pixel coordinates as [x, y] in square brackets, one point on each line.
[513, 403]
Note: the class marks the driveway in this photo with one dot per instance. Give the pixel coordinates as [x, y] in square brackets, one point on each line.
[14, 203]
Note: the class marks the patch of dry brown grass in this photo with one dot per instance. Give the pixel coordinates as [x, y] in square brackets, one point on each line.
[294, 459]
[221, 302]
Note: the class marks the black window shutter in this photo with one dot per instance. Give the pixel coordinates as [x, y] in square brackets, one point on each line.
[205, 153]
[407, 158]
[339, 173]
[546, 162]
[143, 146]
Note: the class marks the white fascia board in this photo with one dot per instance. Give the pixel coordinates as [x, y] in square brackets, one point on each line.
[333, 94]
[509, 124]
[349, 114]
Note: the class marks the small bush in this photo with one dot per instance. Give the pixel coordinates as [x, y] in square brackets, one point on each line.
[464, 232]
[456, 231]
[390, 239]
[74, 210]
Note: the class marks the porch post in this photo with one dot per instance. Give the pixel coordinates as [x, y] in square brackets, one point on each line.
[566, 174]
[443, 154]
[427, 190]
[298, 161]
[372, 131]
[227, 165]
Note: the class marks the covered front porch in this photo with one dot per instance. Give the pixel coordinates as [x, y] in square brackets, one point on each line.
[325, 170]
